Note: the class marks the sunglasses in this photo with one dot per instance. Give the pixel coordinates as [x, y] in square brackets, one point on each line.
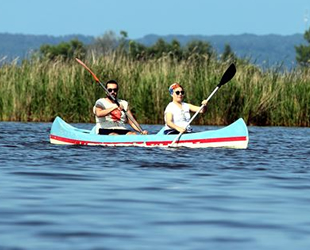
[179, 92]
[115, 90]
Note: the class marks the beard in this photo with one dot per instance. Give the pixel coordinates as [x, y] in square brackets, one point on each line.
[111, 96]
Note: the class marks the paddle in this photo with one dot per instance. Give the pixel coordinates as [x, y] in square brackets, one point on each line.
[108, 93]
[227, 76]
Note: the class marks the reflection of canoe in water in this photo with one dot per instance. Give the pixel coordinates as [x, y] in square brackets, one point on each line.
[232, 136]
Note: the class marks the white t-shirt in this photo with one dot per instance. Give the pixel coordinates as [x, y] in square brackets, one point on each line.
[115, 120]
[180, 117]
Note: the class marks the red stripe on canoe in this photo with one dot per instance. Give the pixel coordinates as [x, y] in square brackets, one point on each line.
[149, 143]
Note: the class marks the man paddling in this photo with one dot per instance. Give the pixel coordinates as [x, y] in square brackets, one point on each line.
[112, 114]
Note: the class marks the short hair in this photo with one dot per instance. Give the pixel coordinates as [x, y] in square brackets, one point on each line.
[111, 81]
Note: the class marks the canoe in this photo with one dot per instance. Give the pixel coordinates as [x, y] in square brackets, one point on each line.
[233, 136]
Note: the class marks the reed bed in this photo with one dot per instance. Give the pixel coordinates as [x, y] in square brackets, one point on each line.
[37, 90]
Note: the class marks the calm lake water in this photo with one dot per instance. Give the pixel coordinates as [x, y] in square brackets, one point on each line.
[83, 197]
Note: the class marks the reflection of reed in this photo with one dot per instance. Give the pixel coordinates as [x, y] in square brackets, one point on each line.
[39, 90]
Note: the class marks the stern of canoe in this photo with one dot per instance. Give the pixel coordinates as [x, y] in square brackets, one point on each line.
[233, 136]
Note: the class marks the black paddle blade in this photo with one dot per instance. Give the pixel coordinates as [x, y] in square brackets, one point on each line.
[228, 75]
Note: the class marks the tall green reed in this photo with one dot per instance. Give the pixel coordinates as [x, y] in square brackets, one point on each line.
[37, 90]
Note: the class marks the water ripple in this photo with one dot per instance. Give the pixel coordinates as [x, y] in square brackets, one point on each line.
[78, 197]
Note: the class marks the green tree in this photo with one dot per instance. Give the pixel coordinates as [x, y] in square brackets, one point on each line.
[122, 42]
[137, 50]
[104, 44]
[199, 48]
[159, 49]
[64, 50]
[228, 54]
[176, 50]
[303, 51]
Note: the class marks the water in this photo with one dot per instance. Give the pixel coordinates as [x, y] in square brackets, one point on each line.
[82, 197]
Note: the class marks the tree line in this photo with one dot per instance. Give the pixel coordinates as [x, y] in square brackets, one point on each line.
[120, 44]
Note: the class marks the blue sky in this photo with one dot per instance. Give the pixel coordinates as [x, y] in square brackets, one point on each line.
[161, 17]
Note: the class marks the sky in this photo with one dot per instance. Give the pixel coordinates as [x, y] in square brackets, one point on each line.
[161, 17]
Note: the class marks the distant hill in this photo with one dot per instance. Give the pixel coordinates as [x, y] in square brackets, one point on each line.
[266, 50]
[20, 46]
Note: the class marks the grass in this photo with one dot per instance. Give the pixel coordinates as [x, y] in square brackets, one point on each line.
[37, 90]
